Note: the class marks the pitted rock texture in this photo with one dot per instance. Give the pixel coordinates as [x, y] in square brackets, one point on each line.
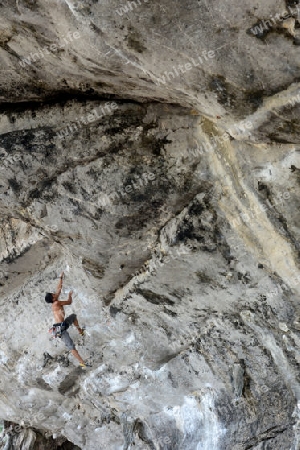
[169, 195]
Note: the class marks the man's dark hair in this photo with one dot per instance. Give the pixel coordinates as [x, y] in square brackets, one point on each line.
[49, 297]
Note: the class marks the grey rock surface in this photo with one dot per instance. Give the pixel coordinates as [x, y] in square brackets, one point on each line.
[150, 150]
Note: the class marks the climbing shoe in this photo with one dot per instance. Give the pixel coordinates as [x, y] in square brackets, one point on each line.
[85, 365]
[82, 332]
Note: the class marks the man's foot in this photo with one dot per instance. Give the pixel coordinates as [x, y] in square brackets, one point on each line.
[81, 331]
[85, 365]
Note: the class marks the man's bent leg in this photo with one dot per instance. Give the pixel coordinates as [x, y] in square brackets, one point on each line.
[65, 337]
[77, 356]
[72, 320]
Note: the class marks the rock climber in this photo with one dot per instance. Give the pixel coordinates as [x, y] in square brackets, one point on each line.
[59, 329]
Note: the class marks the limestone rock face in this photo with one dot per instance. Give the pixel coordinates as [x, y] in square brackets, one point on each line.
[150, 151]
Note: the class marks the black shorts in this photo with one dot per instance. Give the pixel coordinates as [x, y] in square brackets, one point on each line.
[70, 319]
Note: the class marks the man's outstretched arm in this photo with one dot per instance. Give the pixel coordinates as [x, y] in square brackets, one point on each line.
[59, 286]
[67, 302]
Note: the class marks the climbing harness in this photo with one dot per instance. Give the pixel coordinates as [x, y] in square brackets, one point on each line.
[57, 329]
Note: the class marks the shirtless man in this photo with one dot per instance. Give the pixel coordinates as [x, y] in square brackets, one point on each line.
[59, 317]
